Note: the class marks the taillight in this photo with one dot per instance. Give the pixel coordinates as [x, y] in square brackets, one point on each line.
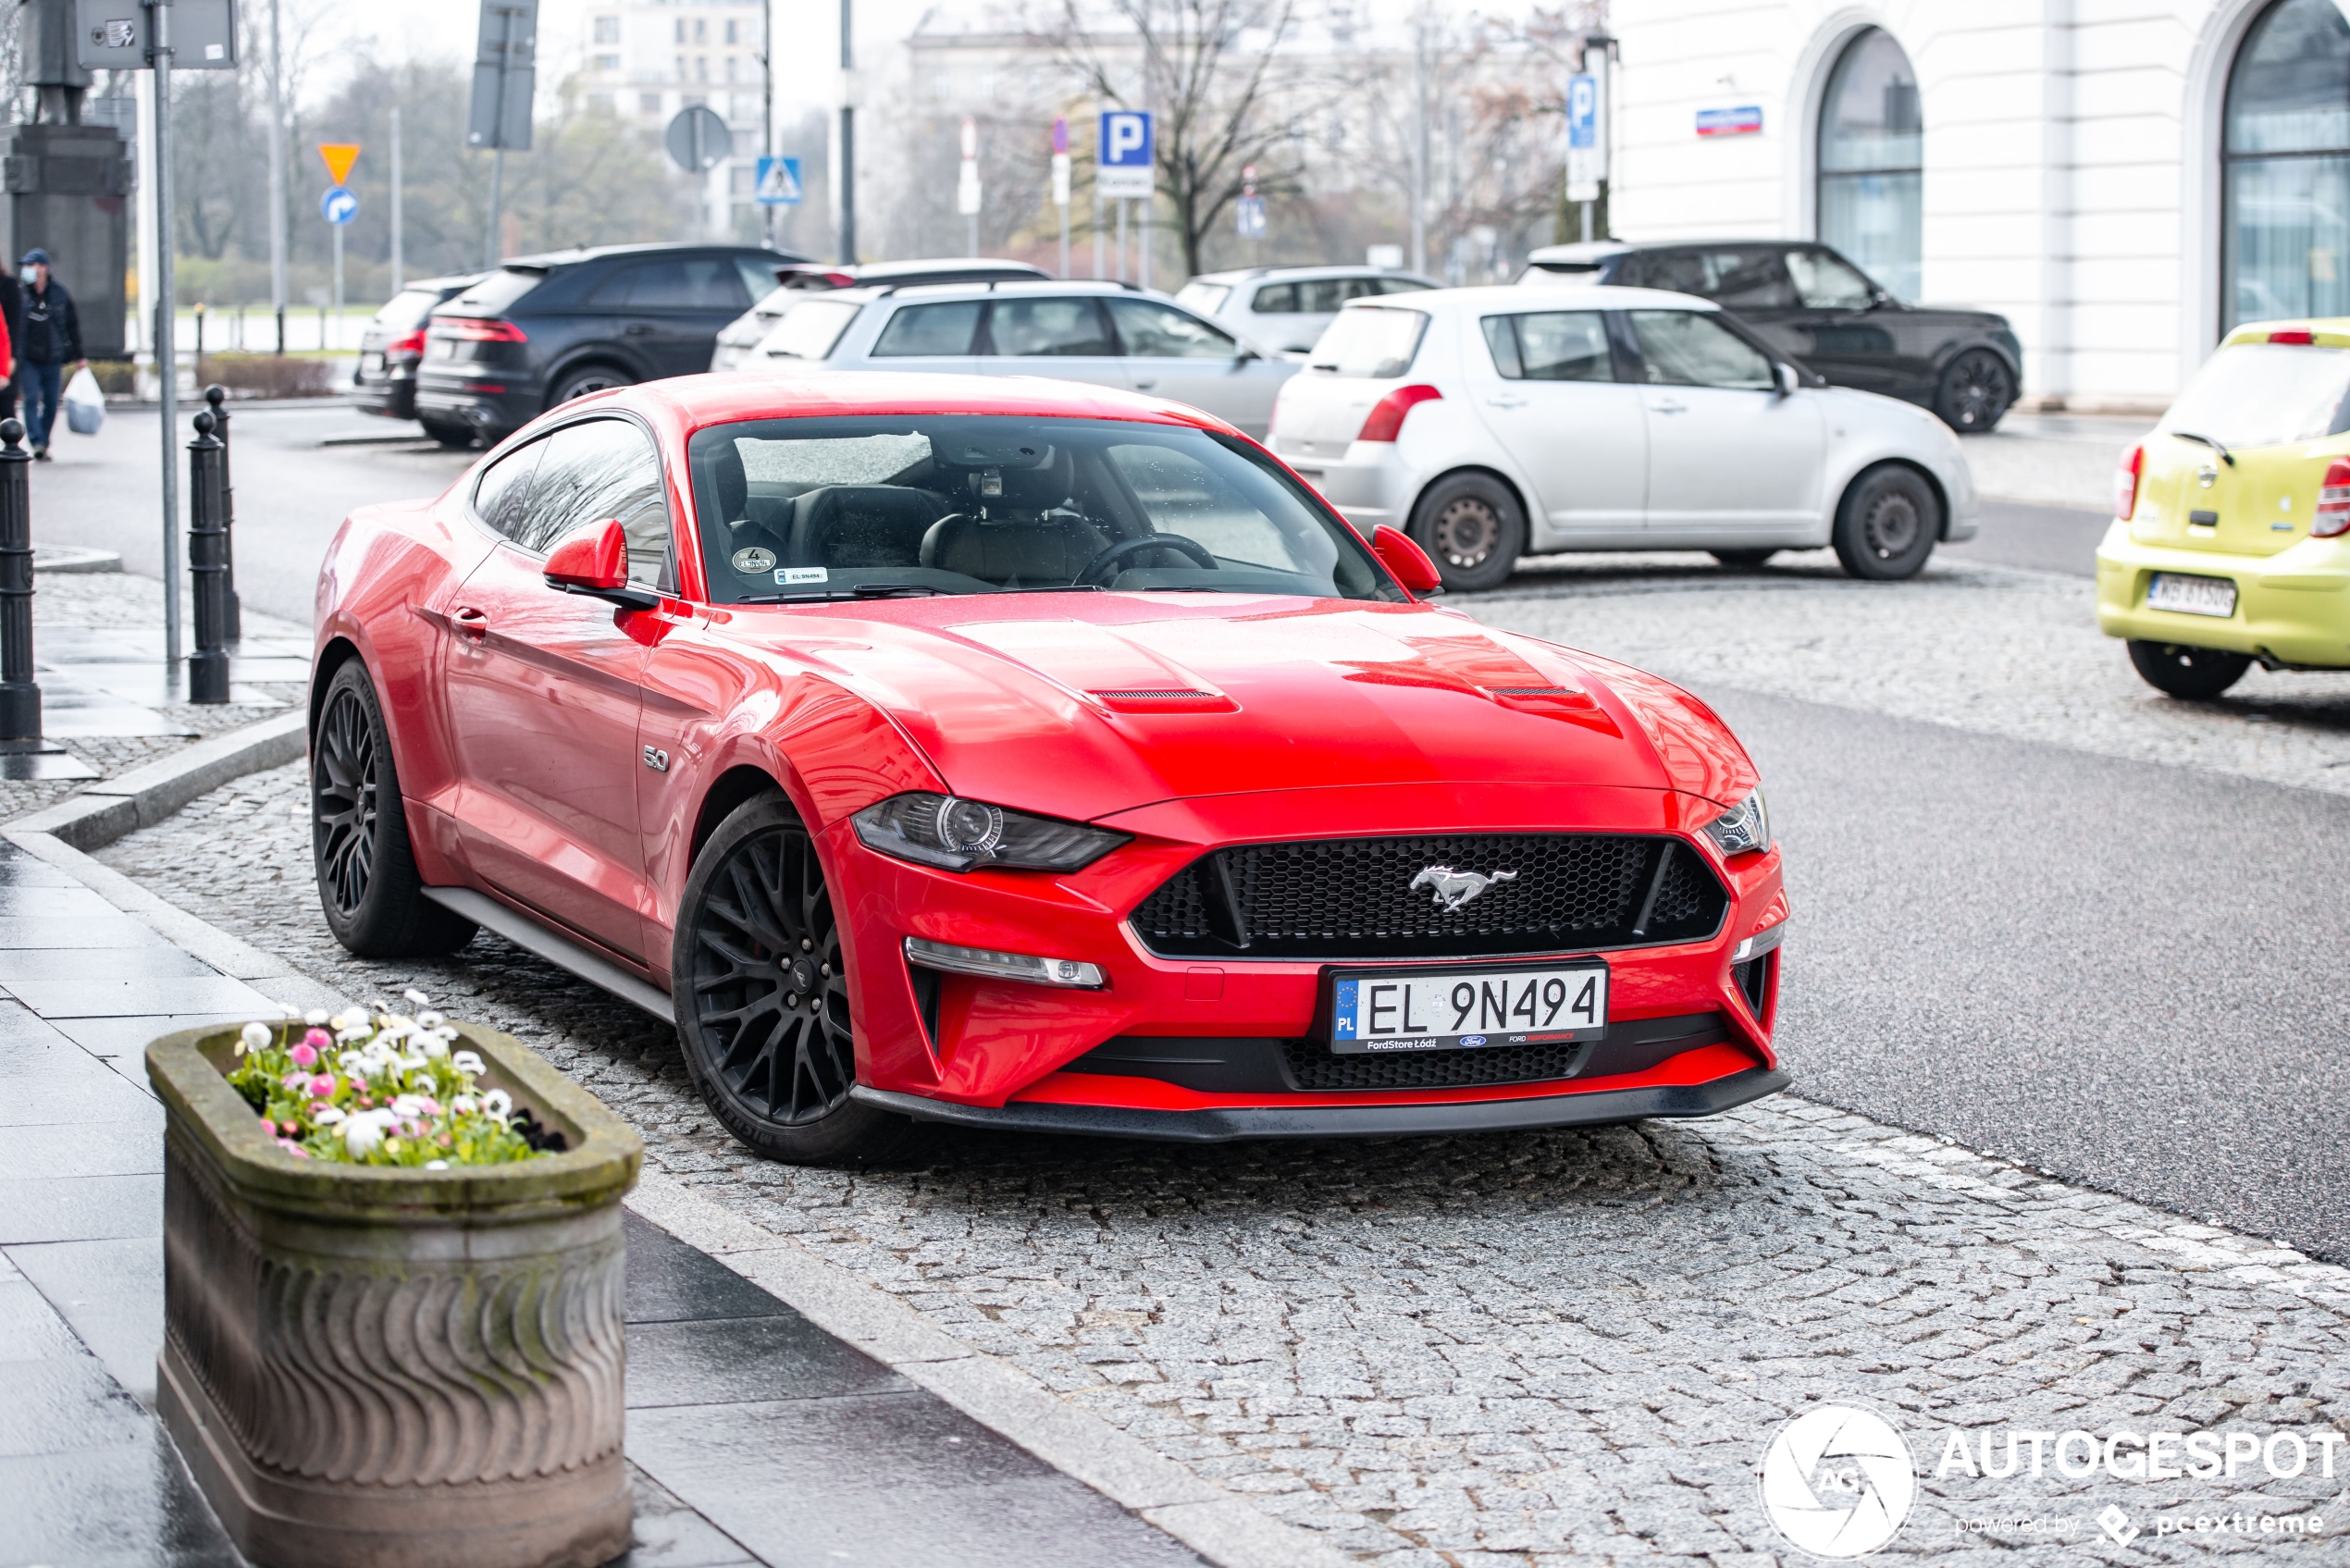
[2333, 502]
[2125, 482]
[479, 330]
[1387, 415]
[409, 346]
[2295, 335]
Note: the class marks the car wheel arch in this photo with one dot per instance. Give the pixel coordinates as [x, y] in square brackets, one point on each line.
[597, 357]
[339, 651]
[736, 785]
[1485, 470]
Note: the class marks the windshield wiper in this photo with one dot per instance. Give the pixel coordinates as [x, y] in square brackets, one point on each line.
[860, 590]
[2225, 455]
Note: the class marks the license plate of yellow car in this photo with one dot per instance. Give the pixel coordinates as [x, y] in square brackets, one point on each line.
[2192, 596]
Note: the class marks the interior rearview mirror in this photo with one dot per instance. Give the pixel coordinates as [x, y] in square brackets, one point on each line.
[594, 562]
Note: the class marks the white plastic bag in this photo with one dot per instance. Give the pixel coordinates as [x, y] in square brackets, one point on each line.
[85, 405]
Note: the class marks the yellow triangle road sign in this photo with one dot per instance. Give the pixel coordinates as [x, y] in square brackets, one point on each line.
[340, 157]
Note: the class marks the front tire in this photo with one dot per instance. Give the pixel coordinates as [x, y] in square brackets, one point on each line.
[2196, 673]
[1886, 524]
[1976, 392]
[366, 873]
[588, 378]
[1473, 528]
[761, 990]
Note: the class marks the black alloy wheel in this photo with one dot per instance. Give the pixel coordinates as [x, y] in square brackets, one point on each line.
[589, 378]
[1976, 390]
[1473, 528]
[367, 883]
[2196, 673]
[1888, 523]
[762, 995]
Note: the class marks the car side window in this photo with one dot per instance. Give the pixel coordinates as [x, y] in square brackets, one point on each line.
[1274, 299]
[1150, 330]
[759, 277]
[1554, 345]
[1687, 348]
[502, 496]
[1749, 278]
[1048, 326]
[1824, 282]
[603, 468]
[681, 283]
[1401, 286]
[919, 331]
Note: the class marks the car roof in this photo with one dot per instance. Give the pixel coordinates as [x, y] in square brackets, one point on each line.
[1336, 269]
[449, 284]
[549, 259]
[985, 289]
[1519, 296]
[1600, 250]
[882, 272]
[698, 400]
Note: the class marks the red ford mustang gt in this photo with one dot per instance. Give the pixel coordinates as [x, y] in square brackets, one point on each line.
[1030, 756]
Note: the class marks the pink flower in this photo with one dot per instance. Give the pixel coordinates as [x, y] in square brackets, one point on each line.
[318, 1040]
[268, 1127]
[322, 1086]
[295, 1082]
[297, 1151]
[305, 1054]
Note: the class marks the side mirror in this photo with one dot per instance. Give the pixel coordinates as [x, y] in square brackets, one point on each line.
[594, 562]
[1784, 379]
[1404, 560]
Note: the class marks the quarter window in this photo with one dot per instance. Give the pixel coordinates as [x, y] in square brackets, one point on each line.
[1561, 345]
[1276, 299]
[502, 496]
[1824, 282]
[923, 330]
[1154, 332]
[1683, 348]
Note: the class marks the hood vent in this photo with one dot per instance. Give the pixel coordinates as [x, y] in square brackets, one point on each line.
[1165, 699]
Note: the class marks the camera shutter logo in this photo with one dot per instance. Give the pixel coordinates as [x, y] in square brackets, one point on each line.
[1837, 1482]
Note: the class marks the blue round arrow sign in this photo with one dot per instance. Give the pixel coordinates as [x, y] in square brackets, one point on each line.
[339, 205]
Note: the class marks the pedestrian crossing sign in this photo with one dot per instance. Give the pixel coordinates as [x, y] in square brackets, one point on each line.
[778, 183]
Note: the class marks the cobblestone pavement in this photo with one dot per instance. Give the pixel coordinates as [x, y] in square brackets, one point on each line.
[1532, 1349]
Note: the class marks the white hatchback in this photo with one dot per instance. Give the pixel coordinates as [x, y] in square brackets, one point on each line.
[1492, 423]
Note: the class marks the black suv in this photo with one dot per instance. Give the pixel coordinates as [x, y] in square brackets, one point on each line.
[1810, 303]
[541, 330]
[392, 348]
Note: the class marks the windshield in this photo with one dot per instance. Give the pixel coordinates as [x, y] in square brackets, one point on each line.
[812, 327]
[405, 311]
[2266, 394]
[1202, 297]
[814, 509]
[1377, 341]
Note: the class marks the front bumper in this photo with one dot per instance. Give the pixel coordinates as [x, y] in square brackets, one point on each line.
[1596, 1109]
[2292, 607]
[981, 1051]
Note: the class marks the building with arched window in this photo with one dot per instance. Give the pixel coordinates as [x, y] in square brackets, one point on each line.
[2124, 185]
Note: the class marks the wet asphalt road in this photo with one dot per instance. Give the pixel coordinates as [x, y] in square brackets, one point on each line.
[2104, 966]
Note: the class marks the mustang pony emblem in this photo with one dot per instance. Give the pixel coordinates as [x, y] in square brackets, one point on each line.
[1456, 888]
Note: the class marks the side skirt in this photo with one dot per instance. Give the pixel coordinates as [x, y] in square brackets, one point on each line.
[560, 951]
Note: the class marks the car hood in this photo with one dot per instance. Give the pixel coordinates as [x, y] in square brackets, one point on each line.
[1020, 702]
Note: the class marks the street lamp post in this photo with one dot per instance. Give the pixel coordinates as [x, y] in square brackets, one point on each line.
[847, 134]
[167, 330]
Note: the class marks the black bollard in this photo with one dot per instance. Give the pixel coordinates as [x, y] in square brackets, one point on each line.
[19, 698]
[207, 566]
[217, 395]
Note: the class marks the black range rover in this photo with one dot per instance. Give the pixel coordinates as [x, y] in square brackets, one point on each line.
[541, 330]
[1813, 305]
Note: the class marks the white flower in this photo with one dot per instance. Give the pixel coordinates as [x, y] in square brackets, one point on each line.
[498, 1102]
[428, 1019]
[327, 1116]
[363, 1133]
[353, 1064]
[466, 1061]
[436, 1165]
[464, 1105]
[418, 997]
[316, 1018]
[252, 1037]
[433, 1044]
[407, 1106]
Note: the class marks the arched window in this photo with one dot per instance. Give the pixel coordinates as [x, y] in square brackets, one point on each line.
[2286, 239]
[1871, 161]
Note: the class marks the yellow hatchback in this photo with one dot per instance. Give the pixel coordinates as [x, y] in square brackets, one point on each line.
[2231, 535]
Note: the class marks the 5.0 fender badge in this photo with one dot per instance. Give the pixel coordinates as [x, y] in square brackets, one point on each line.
[657, 760]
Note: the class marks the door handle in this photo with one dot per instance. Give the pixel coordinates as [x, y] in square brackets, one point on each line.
[1668, 408]
[1508, 402]
[1143, 386]
[637, 329]
[471, 623]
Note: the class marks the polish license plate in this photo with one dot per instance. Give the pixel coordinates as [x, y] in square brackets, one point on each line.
[371, 365]
[1464, 1007]
[2192, 596]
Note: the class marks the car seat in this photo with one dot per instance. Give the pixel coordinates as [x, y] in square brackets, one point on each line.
[851, 526]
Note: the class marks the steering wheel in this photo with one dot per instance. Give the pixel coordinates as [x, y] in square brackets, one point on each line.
[1125, 547]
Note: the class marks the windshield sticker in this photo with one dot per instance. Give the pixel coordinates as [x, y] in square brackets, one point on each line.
[788, 575]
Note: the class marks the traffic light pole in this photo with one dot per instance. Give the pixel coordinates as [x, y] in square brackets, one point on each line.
[166, 331]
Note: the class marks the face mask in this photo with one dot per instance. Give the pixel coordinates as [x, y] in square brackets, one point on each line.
[31, 275]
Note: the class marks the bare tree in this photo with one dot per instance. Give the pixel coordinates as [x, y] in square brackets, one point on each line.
[1210, 71]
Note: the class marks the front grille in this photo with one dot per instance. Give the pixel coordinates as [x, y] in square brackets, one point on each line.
[1313, 1066]
[1355, 899]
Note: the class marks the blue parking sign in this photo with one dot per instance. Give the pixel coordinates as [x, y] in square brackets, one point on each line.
[1123, 162]
[1582, 111]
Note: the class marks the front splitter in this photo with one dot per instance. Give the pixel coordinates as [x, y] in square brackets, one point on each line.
[1599, 1108]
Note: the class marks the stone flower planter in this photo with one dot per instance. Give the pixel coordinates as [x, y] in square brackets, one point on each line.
[386, 1367]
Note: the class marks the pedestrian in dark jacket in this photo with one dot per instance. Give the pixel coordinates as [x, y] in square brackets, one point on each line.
[52, 341]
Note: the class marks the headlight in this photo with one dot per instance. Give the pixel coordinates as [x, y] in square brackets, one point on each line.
[1744, 826]
[956, 834]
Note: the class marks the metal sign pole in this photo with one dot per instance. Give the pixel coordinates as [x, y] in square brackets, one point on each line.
[166, 331]
[399, 262]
